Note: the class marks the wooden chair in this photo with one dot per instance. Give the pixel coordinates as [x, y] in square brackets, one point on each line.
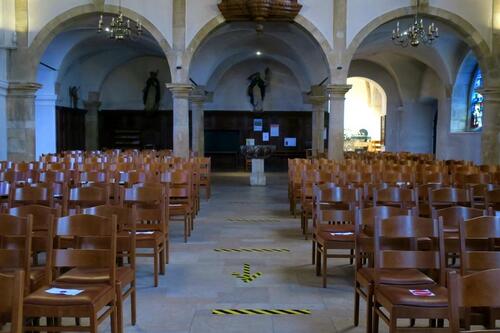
[11, 306]
[205, 175]
[4, 195]
[422, 193]
[15, 250]
[335, 226]
[84, 197]
[96, 301]
[30, 195]
[180, 198]
[478, 252]
[448, 197]
[125, 245]
[392, 303]
[364, 274]
[395, 196]
[479, 290]
[492, 200]
[150, 213]
[43, 224]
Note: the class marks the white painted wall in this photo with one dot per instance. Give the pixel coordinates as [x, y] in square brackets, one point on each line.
[362, 12]
[283, 92]
[122, 89]
[477, 12]
[198, 14]
[45, 124]
[321, 16]
[158, 12]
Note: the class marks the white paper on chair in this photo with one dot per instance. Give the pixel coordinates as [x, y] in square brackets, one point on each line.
[67, 292]
[347, 233]
[144, 232]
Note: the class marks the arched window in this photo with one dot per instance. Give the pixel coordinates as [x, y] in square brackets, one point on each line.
[476, 102]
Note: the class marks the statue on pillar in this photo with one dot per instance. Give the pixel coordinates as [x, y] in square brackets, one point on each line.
[73, 96]
[152, 93]
[257, 89]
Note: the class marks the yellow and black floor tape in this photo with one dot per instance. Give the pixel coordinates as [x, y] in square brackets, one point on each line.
[265, 312]
[252, 250]
[251, 219]
[246, 276]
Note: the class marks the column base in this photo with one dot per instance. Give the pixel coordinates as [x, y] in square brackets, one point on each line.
[258, 176]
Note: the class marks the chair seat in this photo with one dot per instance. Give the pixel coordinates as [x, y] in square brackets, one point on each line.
[395, 276]
[37, 276]
[91, 295]
[96, 276]
[401, 296]
[335, 234]
[149, 240]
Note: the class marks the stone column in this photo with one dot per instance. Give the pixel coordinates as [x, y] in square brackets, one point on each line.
[45, 123]
[318, 98]
[198, 98]
[180, 97]
[21, 121]
[92, 105]
[336, 121]
[3, 120]
[491, 126]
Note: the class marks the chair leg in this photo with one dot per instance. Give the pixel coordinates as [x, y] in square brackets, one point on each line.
[318, 260]
[161, 250]
[93, 323]
[306, 226]
[351, 259]
[313, 252]
[375, 320]
[323, 268]
[155, 265]
[133, 304]
[370, 310]
[356, 306]
[186, 226]
[119, 307]
[114, 319]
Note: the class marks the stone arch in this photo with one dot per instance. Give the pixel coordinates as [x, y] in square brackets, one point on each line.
[217, 21]
[465, 29]
[58, 24]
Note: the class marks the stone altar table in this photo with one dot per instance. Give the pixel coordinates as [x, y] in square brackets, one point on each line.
[257, 154]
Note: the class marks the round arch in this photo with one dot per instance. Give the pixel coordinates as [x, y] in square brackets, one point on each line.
[469, 34]
[58, 24]
[217, 21]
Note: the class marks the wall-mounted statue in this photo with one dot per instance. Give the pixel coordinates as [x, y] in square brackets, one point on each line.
[152, 93]
[257, 89]
[73, 96]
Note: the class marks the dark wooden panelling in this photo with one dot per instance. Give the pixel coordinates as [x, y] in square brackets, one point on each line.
[135, 129]
[70, 128]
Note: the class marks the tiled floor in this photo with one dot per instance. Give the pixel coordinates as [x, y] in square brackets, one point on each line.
[199, 279]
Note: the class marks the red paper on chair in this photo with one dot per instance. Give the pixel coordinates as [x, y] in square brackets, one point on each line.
[422, 292]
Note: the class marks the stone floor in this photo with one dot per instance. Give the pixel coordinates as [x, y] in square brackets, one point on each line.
[198, 279]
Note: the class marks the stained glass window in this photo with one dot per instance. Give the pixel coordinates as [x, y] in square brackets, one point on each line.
[476, 104]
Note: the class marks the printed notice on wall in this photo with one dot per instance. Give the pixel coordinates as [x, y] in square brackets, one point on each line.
[290, 142]
[275, 130]
[265, 136]
[250, 142]
[257, 125]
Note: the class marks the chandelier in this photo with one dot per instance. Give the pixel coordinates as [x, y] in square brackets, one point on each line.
[415, 34]
[119, 27]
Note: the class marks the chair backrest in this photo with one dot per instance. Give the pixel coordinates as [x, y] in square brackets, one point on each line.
[85, 229]
[15, 244]
[150, 207]
[27, 195]
[477, 290]
[477, 244]
[11, 305]
[449, 196]
[84, 197]
[492, 199]
[126, 233]
[412, 228]
[452, 215]
[336, 204]
[395, 196]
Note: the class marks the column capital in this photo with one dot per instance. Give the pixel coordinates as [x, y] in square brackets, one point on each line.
[180, 90]
[338, 91]
[4, 85]
[317, 100]
[23, 88]
[200, 95]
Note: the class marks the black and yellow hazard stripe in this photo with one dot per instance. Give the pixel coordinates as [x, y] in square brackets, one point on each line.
[251, 250]
[266, 312]
[246, 276]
